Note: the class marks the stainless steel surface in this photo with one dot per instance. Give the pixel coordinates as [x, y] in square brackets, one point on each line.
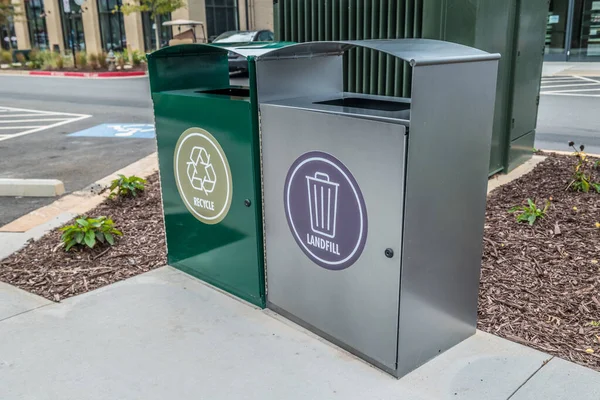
[414, 51]
[429, 189]
[359, 305]
[277, 79]
[312, 103]
[446, 181]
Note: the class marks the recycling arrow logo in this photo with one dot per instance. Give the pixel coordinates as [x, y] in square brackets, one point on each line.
[203, 175]
[200, 171]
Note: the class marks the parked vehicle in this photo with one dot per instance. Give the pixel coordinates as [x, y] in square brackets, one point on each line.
[238, 63]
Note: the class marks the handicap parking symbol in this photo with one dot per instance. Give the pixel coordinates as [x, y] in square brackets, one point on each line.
[138, 131]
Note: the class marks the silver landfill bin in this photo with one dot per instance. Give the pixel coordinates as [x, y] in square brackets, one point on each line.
[374, 206]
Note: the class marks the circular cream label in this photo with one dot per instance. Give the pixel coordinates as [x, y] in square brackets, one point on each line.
[203, 175]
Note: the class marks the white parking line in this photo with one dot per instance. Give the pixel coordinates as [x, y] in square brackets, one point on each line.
[575, 86]
[31, 121]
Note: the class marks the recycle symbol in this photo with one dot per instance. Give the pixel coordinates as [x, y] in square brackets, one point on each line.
[200, 170]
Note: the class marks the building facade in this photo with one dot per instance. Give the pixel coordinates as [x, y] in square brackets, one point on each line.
[94, 25]
[573, 31]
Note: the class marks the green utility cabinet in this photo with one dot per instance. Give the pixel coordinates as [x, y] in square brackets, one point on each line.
[209, 161]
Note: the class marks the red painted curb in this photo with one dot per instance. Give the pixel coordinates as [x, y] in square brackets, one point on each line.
[114, 74]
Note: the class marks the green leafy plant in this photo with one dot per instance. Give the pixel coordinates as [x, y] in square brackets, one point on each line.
[93, 60]
[5, 57]
[136, 58]
[88, 232]
[531, 212]
[126, 186]
[60, 62]
[583, 179]
[21, 58]
[120, 60]
[155, 8]
[81, 58]
[102, 60]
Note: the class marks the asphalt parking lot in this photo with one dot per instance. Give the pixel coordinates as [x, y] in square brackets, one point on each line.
[38, 116]
[569, 110]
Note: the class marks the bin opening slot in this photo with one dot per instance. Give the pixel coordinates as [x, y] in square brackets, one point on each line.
[367, 104]
[232, 91]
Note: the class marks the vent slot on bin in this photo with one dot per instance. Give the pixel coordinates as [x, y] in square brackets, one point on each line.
[235, 92]
[367, 104]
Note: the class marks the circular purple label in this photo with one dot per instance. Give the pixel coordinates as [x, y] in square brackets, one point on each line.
[325, 210]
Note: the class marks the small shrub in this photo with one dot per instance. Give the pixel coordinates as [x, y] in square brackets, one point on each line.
[102, 60]
[126, 56]
[81, 58]
[21, 58]
[5, 57]
[127, 186]
[60, 62]
[120, 60]
[582, 179]
[530, 213]
[88, 231]
[136, 58]
[36, 58]
[93, 60]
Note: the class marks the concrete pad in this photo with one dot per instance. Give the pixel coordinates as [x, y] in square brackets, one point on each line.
[82, 201]
[502, 179]
[561, 380]
[31, 187]
[165, 335]
[14, 301]
[13, 241]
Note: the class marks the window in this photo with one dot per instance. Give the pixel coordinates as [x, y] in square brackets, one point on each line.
[265, 36]
[586, 29]
[150, 37]
[112, 29]
[8, 39]
[36, 21]
[221, 16]
[72, 25]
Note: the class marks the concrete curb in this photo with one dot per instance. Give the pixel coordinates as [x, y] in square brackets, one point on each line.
[81, 201]
[31, 187]
[498, 180]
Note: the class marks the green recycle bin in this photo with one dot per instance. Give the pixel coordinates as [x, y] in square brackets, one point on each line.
[209, 161]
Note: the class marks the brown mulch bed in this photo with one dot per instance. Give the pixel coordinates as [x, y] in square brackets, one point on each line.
[540, 285]
[44, 268]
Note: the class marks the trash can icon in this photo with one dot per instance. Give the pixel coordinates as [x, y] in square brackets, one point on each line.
[322, 204]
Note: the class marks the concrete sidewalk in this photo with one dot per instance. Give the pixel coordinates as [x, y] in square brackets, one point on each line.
[165, 335]
[552, 68]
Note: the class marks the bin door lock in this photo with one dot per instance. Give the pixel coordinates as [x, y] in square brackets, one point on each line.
[389, 253]
[247, 202]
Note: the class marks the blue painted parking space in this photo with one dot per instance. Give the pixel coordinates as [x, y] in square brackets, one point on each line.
[137, 131]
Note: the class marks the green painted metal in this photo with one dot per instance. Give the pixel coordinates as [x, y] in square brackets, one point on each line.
[513, 28]
[521, 150]
[228, 254]
[365, 71]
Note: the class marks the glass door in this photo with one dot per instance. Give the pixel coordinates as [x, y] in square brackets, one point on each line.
[585, 45]
[557, 31]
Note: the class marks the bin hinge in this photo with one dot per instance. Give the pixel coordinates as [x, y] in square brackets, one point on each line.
[537, 100]
[512, 124]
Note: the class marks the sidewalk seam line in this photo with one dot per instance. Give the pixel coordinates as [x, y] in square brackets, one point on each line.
[26, 311]
[531, 376]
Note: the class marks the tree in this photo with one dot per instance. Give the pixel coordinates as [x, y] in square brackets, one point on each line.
[7, 13]
[156, 8]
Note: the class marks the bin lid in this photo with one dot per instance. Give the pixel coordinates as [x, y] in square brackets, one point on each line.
[243, 49]
[415, 51]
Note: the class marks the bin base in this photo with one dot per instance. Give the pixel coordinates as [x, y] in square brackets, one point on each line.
[332, 340]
